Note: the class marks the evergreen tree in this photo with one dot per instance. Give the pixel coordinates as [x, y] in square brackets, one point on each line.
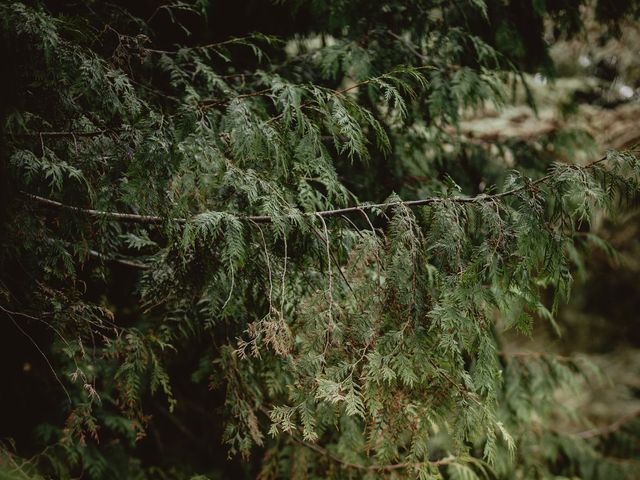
[285, 230]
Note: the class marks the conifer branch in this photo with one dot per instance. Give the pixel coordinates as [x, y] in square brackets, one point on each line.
[155, 219]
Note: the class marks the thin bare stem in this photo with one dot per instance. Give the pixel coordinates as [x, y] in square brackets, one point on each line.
[284, 277]
[266, 256]
[35, 344]
[330, 270]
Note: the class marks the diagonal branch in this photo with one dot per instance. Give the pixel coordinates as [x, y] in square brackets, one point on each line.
[611, 428]
[116, 216]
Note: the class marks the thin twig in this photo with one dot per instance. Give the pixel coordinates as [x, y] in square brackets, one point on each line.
[334, 93]
[284, 277]
[233, 281]
[31, 317]
[211, 102]
[462, 390]
[335, 260]
[91, 133]
[197, 47]
[329, 269]
[412, 48]
[560, 358]
[266, 256]
[35, 344]
[104, 257]
[611, 428]
[121, 261]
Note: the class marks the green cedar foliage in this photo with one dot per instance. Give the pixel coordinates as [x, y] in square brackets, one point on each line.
[298, 217]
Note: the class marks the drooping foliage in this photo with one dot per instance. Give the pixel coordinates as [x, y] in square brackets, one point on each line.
[288, 234]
